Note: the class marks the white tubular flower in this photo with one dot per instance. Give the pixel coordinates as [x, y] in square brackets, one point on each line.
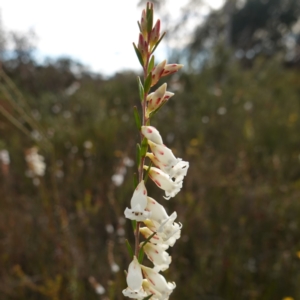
[150, 290]
[152, 134]
[134, 281]
[158, 212]
[178, 172]
[167, 232]
[164, 154]
[158, 282]
[138, 204]
[163, 181]
[157, 254]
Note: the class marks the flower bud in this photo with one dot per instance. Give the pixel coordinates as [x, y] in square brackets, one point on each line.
[157, 72]
[170, 69]
[155, 34]
[152, 134]
[143, 47]
[144, 24]
[157, 98]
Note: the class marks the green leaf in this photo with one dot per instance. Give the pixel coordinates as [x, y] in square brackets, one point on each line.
[135, 181]
[139, 55]
[151, 64]
[144, 147]
[137, 118]
[133, 223]
[149, 20]
[129, 248]
[138, 155]
[139, 26]
[158, 42]
[147, 172]
[148, 82]
[141, 88]
[141, 256]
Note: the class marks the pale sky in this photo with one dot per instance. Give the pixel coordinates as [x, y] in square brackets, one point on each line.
[98, 33]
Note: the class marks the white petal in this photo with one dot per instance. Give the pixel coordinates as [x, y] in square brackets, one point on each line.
[152, 134]
[158, 212]
[180, 169]
[140, 294]
[139, 196]
[134, 277]
[164, 154]
[137, 213]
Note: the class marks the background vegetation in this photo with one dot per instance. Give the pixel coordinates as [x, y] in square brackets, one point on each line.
[235, 117]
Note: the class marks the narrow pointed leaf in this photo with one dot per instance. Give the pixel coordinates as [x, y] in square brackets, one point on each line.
[158, 42]
[139, 55]
[138, 155]
[137, 118]
[141, 89]
[151, 64]
[149, 20]
[141, 256]
[148, 82]
[129, 248]
[133, 223]
[147, 172]
[144, 147]
[141, 252]
[139, 26]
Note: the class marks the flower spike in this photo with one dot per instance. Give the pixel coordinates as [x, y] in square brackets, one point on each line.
[167, 171]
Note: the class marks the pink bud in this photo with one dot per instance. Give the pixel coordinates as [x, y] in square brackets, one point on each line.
[155, 33]
[143, 46]
[152, 134]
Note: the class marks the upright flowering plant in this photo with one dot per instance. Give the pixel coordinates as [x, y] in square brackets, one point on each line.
[149, 218]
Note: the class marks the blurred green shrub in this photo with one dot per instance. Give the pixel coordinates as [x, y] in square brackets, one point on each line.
[240, 205]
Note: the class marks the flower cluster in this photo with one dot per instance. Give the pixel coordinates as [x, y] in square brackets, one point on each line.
[35, 162]
[149, 218]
